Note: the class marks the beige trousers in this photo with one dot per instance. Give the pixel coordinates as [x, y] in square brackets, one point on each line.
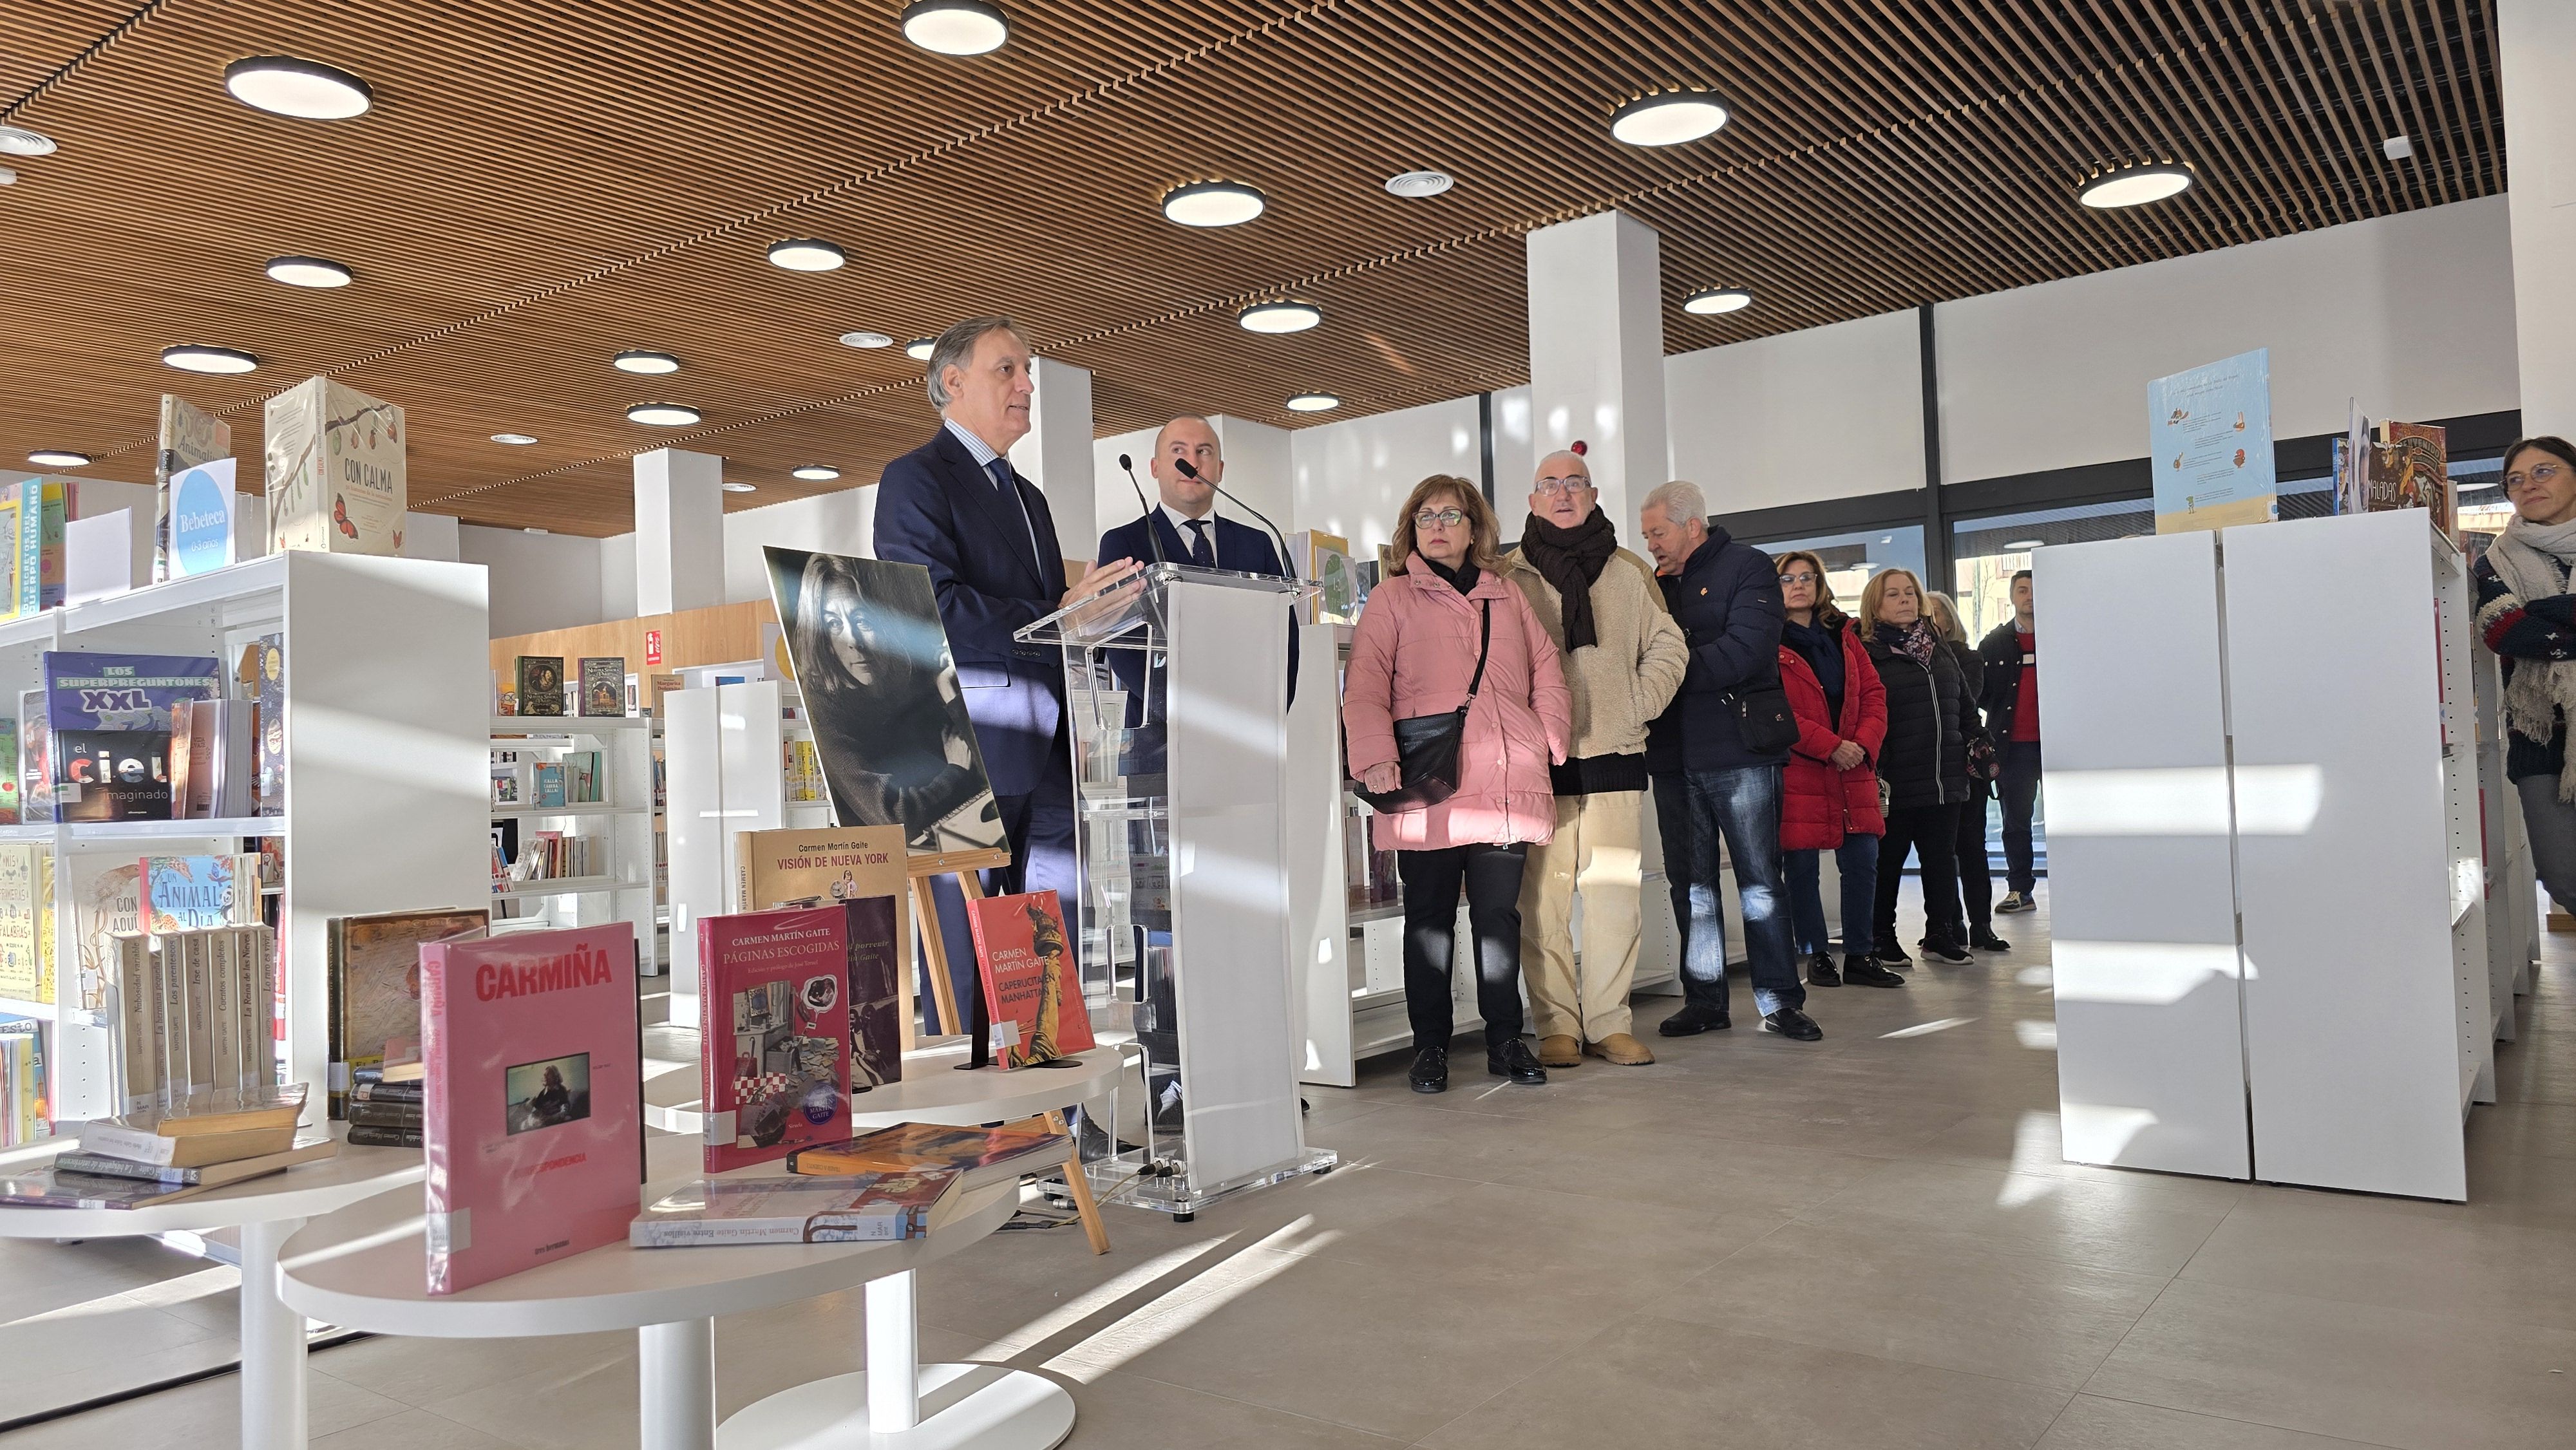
[1595, 852]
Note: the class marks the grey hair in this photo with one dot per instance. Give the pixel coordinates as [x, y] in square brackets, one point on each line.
[955, 347]
[1680, 500]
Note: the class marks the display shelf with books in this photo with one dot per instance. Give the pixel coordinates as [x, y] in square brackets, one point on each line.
[571, 822]
[371, 670]
[726, 749]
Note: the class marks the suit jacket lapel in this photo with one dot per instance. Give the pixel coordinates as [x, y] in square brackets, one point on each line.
[968, 478]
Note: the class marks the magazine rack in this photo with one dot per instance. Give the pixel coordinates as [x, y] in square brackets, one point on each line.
[1176, 691]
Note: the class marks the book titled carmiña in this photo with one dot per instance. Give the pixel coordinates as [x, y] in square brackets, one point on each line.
[190, 438]
[774, 1024]
[335, 470]
[532, 1115]
[1030, 986]
[372, 963]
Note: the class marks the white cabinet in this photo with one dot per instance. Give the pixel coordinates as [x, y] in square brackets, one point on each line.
[2268, 897]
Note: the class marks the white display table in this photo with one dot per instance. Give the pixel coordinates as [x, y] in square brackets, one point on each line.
[935, 1090]
[366, 1267]
[266, 1210]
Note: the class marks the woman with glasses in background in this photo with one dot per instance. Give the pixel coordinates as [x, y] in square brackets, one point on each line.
[2527, 615]
[1829, 795]
[1415, 653]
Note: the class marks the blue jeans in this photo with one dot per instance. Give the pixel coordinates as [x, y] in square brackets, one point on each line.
[1694, 812]
[1856, 861]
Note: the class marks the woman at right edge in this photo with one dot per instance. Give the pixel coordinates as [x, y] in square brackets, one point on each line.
[1414, 653]
[2527, 615]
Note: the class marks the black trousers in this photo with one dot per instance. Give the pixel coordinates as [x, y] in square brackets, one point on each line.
[1931, 833]
[1492, 877]
[1976, 874]
[2020, 791]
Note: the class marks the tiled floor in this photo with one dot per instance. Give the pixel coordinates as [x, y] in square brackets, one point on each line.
[1865, 1242]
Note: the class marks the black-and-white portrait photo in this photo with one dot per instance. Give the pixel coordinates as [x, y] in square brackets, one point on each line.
[872, 662]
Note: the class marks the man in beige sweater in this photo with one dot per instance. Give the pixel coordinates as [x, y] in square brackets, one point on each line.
[1623, 659]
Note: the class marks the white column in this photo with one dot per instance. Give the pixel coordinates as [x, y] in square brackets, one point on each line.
[1259, 468]
[679, 531]
[2536, 43]
[272, 1344]
[1056, 454]
[675, 1372]
[1596, 334]
[894, 1352]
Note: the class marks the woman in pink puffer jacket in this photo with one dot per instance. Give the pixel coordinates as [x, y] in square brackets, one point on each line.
[1414, 653]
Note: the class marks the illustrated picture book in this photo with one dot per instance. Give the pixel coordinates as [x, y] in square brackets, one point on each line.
[109, 716]
[335, 470]
[976, 1155]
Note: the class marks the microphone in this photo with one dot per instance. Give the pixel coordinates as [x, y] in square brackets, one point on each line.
[1129, 464]
[1187, 471]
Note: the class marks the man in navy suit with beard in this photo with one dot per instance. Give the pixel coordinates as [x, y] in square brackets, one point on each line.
[955, 506]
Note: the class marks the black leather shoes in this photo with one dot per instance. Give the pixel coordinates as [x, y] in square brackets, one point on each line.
[1430, 1072]
[1862, 972]
[1987, 941]
[1514, 1060]
[1892, 955]
[1692, 1021]
[1942, 949]
[1821, 973]
[1793, 1024]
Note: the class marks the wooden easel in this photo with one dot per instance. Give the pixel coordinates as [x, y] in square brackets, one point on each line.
[943, 996]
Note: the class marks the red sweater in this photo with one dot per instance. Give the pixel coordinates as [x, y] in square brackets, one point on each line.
[2026, 696]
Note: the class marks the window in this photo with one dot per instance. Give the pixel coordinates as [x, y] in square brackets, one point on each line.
[1851, 558]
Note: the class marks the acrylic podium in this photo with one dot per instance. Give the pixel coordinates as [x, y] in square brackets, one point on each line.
[1176, 692]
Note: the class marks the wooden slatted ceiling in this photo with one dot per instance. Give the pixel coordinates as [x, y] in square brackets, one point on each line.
[541, 186]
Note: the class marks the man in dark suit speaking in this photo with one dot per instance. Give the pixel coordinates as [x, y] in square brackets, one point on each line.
[1186, 525]
[955, 506]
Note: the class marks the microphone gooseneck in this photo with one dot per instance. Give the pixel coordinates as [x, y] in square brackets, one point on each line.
[1187, 471]
[1128, 464]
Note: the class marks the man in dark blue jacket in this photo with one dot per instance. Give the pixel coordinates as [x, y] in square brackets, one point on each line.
[955, 506]
[1709, 787]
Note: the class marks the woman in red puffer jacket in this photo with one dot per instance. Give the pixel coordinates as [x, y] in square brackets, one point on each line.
[1829, 797]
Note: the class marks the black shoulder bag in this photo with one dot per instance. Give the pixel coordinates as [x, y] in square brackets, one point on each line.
[1426, 746]
[1763, 717]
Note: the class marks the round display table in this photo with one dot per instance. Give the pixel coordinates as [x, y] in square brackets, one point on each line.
[934, 1090]
[267, 1211]
[366, 1267]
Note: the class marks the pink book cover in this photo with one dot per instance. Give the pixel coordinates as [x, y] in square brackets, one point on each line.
[533, 1103]
[776, 1030]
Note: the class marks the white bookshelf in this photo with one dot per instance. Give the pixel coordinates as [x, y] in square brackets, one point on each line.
[2270, 905]
[725, 771]
[385, 672]
[622, 820]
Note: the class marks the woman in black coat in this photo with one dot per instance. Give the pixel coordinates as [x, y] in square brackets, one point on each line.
[1924, 762]
[1976, 879]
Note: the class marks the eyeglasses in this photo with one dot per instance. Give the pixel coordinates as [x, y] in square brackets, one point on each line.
[1801, 577]
[2540, 473]
[1445, 518]
[1562, 487]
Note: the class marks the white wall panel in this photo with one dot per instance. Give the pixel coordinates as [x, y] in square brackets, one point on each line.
[1828, 412]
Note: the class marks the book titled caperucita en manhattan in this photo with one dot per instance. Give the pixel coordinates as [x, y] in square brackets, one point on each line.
[530, 1109]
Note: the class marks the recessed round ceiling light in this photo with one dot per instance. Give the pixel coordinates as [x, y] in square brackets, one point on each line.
[2135, 186]
[955, 27]
[1279, 316]
[515, 440]
[535, 531]
[19, 141]
[738, 486]
[866, 339]
[57, 458]
[299, 88]
[1313, 403]
[806, 254]
[307, 272]
[645, 362]
[1212, 204]
[1668, 119]
[195, 358]
[2026, 543]
[919, 349]
[663, 415]
[1710, 301]
[814, 473]
[1415, 185]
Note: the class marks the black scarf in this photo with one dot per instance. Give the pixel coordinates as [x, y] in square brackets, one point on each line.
[1570, 560]
[1463, 578]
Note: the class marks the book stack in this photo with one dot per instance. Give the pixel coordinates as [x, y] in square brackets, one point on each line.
[371, 971]
[902, 1182]
[201, 1141]
[386, 1105]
